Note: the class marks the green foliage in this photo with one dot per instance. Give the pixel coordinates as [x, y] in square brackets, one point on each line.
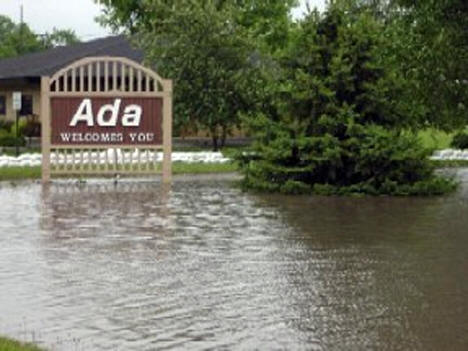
[12, 345]
[334, 100]
[460, 140]
[59, 37]
[19, 39]
[430, 48]
[339, 126]
[10, 140]
[372, 161]
[202, 168]
[26, 128]
[268, 21]
[213, 50]
[8, 133]
[5, 125]
[21, 127]
[32, 129]
[434, 139]
[450, 163]
[213, 65]
[16, 39]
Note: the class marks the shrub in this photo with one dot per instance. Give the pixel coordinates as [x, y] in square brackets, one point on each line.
[32, 129]
[9, 140]
[368, 160]
[341, 118]
[4, 133]
[21, 125]
[6, 125]
[460, 140]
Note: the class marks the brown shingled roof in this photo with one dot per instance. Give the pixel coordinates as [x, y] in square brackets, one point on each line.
[46, 63]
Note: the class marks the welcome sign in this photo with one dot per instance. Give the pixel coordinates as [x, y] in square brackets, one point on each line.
[100, 104]
[106, 121]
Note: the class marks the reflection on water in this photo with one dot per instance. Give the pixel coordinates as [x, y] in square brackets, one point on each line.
[205, 266]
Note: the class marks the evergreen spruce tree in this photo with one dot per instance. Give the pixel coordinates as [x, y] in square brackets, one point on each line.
[342, 117]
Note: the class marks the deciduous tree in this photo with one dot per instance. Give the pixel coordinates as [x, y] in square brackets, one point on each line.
[430, 48]
[16, 39]
[19, 39]
[59, 37]
[208, 48]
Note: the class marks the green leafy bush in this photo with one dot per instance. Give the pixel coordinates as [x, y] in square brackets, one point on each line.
[21, 126]
[5, 125]
[369, 160]
[460, 140]
[13, 345]
[4, 132]
[9, 140]
[32, 129]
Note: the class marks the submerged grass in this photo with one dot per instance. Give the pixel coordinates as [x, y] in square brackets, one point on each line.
[20, 173]
[12, 345]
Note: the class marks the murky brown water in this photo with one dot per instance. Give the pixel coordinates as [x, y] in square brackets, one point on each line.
[205, 266]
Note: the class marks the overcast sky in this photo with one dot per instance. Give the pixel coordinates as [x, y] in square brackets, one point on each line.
[43, 15]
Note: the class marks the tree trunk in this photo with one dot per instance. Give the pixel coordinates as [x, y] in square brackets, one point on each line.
[215, 142]
[223, 136]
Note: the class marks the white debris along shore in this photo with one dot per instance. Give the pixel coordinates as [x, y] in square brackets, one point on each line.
[450, 155]
[31, 160]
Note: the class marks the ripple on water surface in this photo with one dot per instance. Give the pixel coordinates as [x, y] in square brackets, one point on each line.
[205, 266]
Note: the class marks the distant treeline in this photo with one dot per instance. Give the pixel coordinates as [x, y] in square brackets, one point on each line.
[18, 39]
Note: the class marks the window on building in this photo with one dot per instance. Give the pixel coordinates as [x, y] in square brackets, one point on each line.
[2, 105]
[26, 105]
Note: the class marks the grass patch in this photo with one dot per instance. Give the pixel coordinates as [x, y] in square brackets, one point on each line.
[232, 151]
[11, 151]
[12, 345]
[199, 168]
[21, 173]
[449, 163]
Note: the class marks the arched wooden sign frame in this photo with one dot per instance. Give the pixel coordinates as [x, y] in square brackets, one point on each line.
[106, 78]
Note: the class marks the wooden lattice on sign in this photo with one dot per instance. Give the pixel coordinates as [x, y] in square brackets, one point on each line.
[106, 115]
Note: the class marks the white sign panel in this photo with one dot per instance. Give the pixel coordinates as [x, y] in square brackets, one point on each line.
[17, 100]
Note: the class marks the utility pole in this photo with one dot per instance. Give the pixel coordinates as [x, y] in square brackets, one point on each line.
[21, 31]
[21, 21]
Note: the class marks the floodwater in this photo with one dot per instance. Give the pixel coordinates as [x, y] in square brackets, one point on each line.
[204, 266]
